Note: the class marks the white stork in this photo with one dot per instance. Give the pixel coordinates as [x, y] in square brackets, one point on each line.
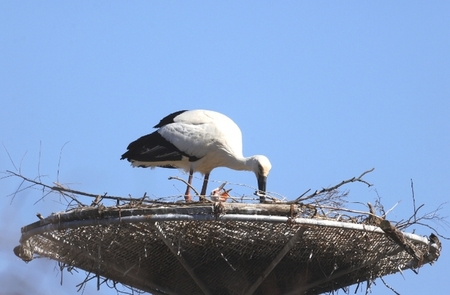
[197, 141]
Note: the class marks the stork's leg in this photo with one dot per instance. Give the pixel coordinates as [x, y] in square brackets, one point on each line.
[187, 195]
[205, 184]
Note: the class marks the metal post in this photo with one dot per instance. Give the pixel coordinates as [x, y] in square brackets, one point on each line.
[277, 259]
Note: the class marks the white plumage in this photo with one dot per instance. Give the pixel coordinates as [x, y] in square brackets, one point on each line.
[196, 141]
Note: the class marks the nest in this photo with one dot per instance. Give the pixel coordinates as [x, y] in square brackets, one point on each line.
[225, 248]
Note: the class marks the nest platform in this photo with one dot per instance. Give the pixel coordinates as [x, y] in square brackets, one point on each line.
[224, 248]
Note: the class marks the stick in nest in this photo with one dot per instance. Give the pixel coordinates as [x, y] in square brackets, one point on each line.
[329, 189]
[185, 182]
[70, 193]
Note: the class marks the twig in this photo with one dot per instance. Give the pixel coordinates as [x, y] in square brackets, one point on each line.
[59, 160]
[185, 182]
[386, 213]
[67, 191]
[39, 161]
[389, 287]
[413, 198]
[329, 189]
[301, 196]
[9, 156]
[21, 161]
[63, 193]
[433, 215]
[342, 210]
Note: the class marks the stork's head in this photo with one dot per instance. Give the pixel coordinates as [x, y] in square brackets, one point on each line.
[261, 167]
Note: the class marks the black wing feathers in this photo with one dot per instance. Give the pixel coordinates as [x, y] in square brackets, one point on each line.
[155, 148]
[168, 119]
[152, 148]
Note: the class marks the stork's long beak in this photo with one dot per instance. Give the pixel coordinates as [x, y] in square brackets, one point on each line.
[262, 181]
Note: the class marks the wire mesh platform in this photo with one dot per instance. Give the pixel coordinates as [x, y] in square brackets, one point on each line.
[222, 248]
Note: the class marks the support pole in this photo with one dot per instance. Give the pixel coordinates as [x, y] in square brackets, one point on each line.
[183, 262]
[289, 245]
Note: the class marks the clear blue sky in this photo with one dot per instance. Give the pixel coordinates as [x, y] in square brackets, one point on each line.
[325, 89]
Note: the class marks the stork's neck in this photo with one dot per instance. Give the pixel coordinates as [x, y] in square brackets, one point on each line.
[242, 163]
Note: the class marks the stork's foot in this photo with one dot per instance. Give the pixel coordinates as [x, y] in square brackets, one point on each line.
[202, 198]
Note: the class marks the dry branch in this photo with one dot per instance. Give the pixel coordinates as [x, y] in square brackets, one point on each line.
[333, 188]
[186, 183]
[71, 193]
[397, 236]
